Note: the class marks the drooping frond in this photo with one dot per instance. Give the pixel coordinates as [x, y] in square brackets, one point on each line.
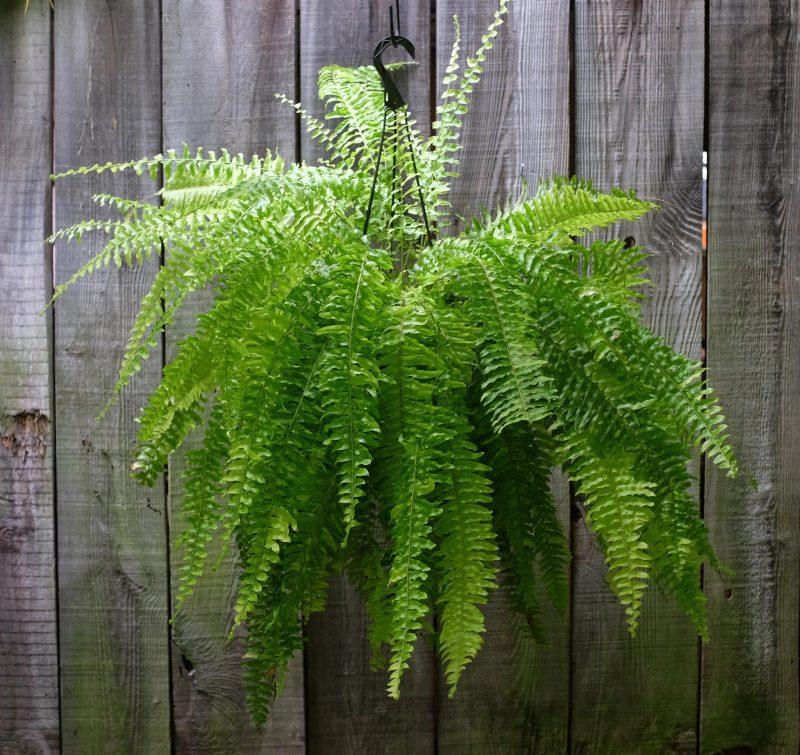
[533, 545]
[409, 469]
[200, 504]
[467, 553]
[352, 298]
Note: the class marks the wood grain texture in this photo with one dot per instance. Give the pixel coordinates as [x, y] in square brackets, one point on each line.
[348, 710]
[220, 71]
[111, 532]
[28, 638]
[639, 123]
[514, 697]
[750, 699]
[518, 125]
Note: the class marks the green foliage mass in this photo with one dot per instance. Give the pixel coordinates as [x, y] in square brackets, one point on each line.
[394, 408]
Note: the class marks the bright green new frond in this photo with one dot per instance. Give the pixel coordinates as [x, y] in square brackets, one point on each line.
[619, 507]
[467, 553]
[564, 208]
[353, 296]
[194, 182]
[454, 104]
[240, 233]
[354, 97]
[318, 130]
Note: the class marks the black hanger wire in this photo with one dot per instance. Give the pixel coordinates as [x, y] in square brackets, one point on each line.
[394, 103]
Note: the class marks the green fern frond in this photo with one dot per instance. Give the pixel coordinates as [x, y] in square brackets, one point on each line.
[353, 295]
[466, 555]
[200, 504]
[619, 507]
[412, 513]
[454, 104]
[533, 545]
[409, 470]
[563, 208]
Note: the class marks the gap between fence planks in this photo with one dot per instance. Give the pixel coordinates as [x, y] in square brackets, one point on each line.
[28, 649]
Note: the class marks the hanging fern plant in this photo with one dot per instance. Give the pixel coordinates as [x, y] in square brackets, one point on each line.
[392, 408]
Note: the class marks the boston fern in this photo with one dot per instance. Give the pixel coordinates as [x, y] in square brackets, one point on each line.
[392, 407]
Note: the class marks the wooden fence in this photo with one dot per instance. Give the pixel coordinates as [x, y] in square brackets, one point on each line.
[625, 92]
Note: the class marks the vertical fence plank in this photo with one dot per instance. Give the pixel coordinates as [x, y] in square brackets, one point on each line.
[220, 71]
[750, 699]
[348, 710]
[639, 122]
[514, 696]
[28, 647]
[111, 533]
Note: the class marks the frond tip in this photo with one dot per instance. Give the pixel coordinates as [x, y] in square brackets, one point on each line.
[393, 406]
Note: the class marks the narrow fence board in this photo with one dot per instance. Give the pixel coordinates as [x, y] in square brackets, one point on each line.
[347, 708]
[220, 71]
[28, 644]
[750, 698]
[514, 696]
[111, 533]
[639, 123]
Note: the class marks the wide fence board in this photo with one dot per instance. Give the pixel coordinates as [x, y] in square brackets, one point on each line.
[750, 668]
[221, 69]
[347, 707]
[514, 697]
[639, 123]
[28, 646]
[112, 564]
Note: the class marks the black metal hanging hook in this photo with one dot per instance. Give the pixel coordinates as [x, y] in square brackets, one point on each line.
[394, 100]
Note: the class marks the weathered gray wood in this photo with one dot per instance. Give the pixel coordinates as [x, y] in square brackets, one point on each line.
[348, 710]
[514, 697]
[750, 698]
[111, 533]
[639, 122]
[220, 70]
[28, 644]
